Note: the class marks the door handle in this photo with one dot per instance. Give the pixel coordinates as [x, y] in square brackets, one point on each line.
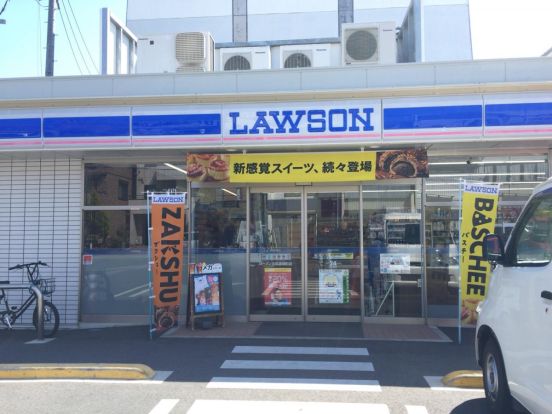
[546, 294]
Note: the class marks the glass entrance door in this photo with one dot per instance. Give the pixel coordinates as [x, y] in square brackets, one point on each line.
[275, 265]
[333, 254]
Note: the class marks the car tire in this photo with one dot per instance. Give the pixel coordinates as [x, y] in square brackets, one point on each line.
[495, 383]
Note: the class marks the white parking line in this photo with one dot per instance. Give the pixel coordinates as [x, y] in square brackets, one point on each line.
[437, 385]
[298, 365]
[164, 406]
[299, 350]
[416, 409]
[279, 407]
[310, 384]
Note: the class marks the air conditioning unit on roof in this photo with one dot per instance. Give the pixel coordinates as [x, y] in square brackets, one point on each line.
[304, 56]
[368, 43]
[245, 58]
[194, 52]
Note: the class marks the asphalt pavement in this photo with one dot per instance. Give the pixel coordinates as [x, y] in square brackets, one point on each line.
[245, 374]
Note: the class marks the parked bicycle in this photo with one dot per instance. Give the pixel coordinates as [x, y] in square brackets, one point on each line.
[10, 314]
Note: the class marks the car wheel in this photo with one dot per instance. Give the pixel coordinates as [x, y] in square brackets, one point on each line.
[494, 380]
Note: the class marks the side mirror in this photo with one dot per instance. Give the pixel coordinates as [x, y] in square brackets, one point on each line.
[493, 249]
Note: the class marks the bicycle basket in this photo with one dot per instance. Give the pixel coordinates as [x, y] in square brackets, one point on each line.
[47, 286]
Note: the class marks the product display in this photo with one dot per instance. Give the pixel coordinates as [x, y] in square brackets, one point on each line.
[208, 167]
[402, 164]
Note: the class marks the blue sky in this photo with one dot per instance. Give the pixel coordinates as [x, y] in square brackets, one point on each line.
[23, 46]
[500, 29]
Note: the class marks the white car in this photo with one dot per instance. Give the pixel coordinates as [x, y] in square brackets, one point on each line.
[514, 330]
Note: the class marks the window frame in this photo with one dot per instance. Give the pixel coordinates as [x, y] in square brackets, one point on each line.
[526, 215]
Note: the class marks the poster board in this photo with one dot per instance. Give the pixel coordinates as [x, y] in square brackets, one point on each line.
[333, 286]
[205, 292]
[277, 286]
[393, 263]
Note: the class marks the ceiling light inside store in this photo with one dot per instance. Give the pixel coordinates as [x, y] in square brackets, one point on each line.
[390, 191]
[489, 162]
[501, 183]
[485, 174]
[174, 167]
[229, 192]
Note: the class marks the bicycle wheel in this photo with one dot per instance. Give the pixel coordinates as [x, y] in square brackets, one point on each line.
[51, 319]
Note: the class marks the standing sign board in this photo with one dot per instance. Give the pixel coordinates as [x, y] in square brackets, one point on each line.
[479, 207]
[205, 292]
[166, 240]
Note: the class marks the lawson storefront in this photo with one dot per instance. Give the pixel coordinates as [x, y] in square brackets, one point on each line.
[319, 208]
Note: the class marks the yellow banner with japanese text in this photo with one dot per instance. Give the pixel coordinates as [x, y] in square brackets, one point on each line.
[308, 167]
[313, 167]
[479, 207]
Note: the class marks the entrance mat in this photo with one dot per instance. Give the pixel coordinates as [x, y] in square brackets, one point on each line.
[311, 329]
[394, 332]
[230, 330]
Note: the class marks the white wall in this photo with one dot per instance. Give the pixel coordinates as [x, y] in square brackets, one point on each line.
[446, 33]
[149, 18]
[290, 26]
[371, 11]
[40, 218]
[290, 6]
[163, 9]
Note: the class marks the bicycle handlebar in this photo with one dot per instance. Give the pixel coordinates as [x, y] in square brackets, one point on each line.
[27, 265]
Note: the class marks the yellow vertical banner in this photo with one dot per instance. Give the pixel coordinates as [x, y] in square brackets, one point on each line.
[479, 207]
[167, 247]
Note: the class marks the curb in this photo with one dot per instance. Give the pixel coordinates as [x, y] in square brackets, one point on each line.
[464, 379]
[76, 371]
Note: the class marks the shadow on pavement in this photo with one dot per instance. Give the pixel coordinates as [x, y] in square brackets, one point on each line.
[477, 405]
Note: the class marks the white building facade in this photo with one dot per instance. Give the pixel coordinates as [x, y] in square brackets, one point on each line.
[78, 154]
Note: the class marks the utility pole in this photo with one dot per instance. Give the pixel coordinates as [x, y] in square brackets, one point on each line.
[50, 40]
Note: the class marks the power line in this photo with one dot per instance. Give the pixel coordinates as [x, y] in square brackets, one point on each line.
[82, 37]
[68, 39]
[4, 7]
[75, 37]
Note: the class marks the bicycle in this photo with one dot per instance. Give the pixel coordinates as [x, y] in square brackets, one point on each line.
[47, 286]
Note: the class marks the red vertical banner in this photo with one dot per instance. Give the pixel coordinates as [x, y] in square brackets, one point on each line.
[167, 244]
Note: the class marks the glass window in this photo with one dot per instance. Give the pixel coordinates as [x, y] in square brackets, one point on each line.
[517, 176]
[121, 185]
[218, 225]
[115, 236]
[533, 245]
[392, 249]
[115, 277]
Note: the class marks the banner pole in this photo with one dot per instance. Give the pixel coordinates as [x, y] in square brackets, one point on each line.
[460, 259]
[150, 284]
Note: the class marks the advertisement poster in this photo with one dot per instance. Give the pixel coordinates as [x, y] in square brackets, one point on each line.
[167, 238]
[277, 286]
[308, 167]
[479, 207]
[207, 293]
[394, 263]
[333, 286]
